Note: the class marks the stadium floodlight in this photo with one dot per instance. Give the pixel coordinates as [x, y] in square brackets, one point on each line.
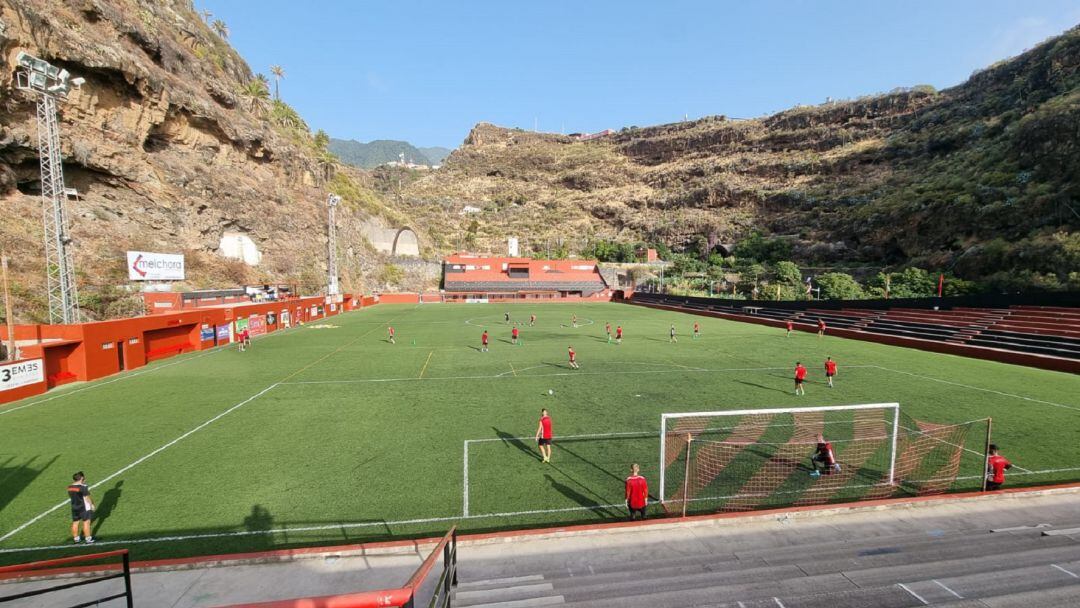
[51, 83]
[332, 202]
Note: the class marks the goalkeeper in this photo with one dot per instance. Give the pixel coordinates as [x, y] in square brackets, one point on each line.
[825, 457]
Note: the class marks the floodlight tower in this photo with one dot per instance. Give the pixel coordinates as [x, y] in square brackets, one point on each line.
[50, 84]
[331, 234]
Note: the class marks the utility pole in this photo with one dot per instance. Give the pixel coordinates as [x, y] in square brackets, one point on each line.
[331, 239]
[8, 315]
[51, 83]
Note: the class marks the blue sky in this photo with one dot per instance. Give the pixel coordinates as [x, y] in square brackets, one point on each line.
[427, 71]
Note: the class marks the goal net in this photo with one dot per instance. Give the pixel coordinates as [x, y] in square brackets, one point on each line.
[752, 459]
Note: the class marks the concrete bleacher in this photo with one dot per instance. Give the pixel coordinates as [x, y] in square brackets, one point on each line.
[1039, 330]
[983, 554]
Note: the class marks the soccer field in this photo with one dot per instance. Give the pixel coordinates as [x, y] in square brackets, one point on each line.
[333, 435]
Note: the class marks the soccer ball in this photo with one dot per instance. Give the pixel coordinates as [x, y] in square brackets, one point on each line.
[551, 391]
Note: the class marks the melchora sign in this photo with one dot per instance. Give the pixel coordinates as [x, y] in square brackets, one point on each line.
[147, 266]
[14, 375]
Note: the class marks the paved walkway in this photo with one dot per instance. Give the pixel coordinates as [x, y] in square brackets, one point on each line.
[583, 552]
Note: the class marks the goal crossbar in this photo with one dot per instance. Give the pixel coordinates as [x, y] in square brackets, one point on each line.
[664, 418]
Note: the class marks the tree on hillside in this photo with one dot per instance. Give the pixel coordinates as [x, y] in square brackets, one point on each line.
[788, 273]
[279, 73]
[321, 139]
[839, 286]
[205, 14]
[220, 29]
[255, 95]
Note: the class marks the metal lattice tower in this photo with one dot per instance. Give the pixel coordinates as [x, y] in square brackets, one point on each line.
[331, 238]
[50, 83]
[60, 267]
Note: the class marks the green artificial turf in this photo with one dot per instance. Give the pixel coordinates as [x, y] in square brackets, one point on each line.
[333, 435]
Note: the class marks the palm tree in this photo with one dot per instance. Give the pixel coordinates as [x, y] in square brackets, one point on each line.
[279, 73]
[255, 93]
[206, 15]
[220, 28]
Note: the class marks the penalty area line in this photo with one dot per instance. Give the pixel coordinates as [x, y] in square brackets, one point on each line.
[368, 524]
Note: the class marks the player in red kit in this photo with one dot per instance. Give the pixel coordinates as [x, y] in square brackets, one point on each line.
[637, 493]
[514, 335]
[800, 376]
[618, 335]
[830, 370]
[820, 328]
[544, 435]
[697, 330]
[484, 342]
[825, 457]
[390, 332]
[790, 327]
[573, 357]
[996, 466]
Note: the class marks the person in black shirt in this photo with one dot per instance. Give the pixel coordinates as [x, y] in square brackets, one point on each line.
[82, 507]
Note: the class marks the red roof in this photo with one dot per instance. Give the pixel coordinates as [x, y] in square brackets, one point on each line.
[495, 269]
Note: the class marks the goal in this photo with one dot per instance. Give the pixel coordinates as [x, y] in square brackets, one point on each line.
[740, 460]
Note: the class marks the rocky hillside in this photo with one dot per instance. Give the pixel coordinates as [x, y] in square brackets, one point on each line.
[172, 144]
[982, 180]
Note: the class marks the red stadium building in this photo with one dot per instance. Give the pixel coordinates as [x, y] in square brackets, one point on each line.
[475, 278]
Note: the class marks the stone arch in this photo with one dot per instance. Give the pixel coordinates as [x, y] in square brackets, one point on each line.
[408, 248]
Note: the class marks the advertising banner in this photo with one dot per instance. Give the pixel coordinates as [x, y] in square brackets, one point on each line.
[241, 324]
[223, 334]
[256, 325]
[146, 266]
[271, 318]
[14, 375]
[206, 333]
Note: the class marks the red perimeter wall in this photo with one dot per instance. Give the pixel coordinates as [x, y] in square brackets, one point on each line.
[89, 351]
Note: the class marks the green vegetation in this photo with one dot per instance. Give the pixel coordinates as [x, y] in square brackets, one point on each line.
[338, 432]
[380, 151]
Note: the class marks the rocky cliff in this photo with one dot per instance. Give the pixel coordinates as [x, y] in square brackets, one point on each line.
[171, 148]
[982, 179]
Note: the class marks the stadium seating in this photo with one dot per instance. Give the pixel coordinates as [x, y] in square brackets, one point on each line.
[891, 570]
[1041, 330]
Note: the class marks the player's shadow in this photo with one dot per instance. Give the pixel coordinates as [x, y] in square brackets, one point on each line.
[108, 503]
[509, 439]
[259, 523]
[578, 497]
[762, 386]
[564, 447]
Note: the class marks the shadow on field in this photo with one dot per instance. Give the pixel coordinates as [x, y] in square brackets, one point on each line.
[564, 447]
[762, 386]
[509, 439]
[108, 503]
[15, 477]
[594, 505]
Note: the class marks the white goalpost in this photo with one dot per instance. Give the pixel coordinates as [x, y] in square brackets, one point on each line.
[748, 458]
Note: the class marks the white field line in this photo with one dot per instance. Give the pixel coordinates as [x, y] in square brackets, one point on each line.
[142, 459]
[209, 351]
[366, 524]
[569, 373]
[977, 388]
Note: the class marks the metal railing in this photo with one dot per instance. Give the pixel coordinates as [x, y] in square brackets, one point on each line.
[402, 597]
[41, 568]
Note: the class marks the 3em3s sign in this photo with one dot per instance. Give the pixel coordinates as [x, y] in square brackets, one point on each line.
[14, 375]
[146, 266]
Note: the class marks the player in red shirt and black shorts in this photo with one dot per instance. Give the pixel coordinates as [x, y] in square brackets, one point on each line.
[825, 456]
[996, 466]
[820, 327]
[830, 369]
[618, 335]
[800, 376]
[637, 493]
[484, 342]
[390, 334]
[573, 357]
[790, 326]
[514, 335]
[544, 435]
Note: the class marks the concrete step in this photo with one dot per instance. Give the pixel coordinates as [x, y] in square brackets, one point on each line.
[480, 597]
[1058, 597]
